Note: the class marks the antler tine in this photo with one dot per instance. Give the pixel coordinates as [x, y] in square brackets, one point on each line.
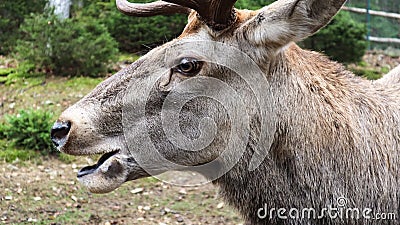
[150, 9]
[224, 12]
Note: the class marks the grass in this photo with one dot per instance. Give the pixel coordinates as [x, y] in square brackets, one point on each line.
[10, 154]
[128, 58]
[66, 158]
[49, 93]
[6, 71]
[370, 74]
[82, 83]
[363, 69]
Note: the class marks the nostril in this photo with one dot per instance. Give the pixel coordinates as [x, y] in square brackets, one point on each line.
[59, 132]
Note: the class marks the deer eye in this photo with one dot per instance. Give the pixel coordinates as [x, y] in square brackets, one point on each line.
[189, 66]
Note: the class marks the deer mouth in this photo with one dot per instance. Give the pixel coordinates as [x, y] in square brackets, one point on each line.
[91, 169]
[110, 172]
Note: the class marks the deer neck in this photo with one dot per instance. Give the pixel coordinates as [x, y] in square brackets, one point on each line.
[309, 92]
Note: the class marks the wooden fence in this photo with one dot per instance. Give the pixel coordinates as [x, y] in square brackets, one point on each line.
[376, 13]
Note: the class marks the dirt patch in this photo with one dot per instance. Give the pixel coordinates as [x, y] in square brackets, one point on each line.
[381, 60]
[47, 192]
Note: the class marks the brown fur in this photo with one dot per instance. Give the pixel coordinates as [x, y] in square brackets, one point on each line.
[337, 136]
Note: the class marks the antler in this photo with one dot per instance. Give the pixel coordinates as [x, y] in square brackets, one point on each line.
[150, 9]
[217, 14]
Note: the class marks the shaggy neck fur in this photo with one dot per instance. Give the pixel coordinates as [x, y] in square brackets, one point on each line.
[336, 136]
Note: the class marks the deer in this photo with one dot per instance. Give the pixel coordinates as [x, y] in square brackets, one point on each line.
[286, 134]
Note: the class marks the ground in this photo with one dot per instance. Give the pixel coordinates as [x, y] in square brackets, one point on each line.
[44, 190]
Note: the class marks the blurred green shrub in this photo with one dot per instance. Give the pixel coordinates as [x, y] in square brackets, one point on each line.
[11, 75]
[343, 39]
[133, 34]
[29, 129]
[252, 4]
[66, 47]
[12, 14]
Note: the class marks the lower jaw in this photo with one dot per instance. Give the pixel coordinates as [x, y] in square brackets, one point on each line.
[99, 186]
[91, 169]
[106, 178]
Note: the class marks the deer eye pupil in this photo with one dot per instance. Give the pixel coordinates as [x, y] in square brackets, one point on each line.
[189, 67]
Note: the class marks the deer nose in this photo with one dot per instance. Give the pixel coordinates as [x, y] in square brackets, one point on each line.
[59, 133]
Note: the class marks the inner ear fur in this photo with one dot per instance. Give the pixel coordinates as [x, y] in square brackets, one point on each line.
[292, 20]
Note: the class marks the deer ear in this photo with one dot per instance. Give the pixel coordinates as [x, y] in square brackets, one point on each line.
[290, 20]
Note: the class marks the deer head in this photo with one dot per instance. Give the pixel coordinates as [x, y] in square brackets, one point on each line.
[200, 102]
